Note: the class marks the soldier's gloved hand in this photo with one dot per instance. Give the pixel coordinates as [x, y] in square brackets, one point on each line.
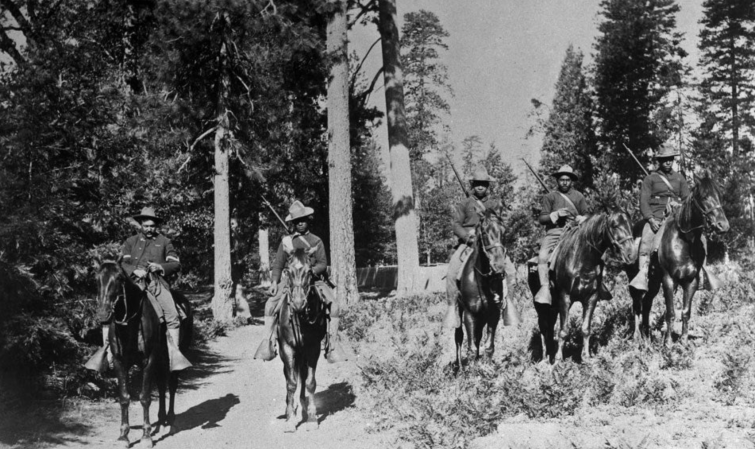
[155, 268]
[581, 219]
[470, 239]
[554, 216]
[654, 224]
[564, 212]
[273, 289]
[140, 273]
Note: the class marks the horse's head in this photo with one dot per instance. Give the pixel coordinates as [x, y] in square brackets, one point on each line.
[111, 281]
[490, 237]
[706, 197]
[299, 275]
[619, 229]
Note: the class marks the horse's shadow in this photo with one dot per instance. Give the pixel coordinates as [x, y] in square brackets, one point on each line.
[205, 415]
[335, 398]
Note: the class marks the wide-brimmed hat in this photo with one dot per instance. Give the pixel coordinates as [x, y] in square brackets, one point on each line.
[481, 174]
[298, 210]
[147, 213]
[565, 170]
[666, 150]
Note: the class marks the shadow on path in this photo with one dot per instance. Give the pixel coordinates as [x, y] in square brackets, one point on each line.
[335, 398]
[205, 415]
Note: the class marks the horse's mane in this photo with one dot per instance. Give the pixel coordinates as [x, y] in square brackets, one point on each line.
[705, 187]
[591, 229]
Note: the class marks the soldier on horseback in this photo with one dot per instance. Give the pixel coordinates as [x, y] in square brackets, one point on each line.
[149, 257]
[466, 216]
[661, 193]
[300, 216]
[560, 207]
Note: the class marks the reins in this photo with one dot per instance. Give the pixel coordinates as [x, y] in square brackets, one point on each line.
[128, 318]
[685, 213]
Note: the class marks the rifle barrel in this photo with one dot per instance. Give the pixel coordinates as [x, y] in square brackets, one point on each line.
[635, 159]
[542, 183]
[456, 173]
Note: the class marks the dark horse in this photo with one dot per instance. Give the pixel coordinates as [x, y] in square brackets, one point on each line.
[483, 277]
[679, 258]
[302, 327]
[136, 337]
[577, 274]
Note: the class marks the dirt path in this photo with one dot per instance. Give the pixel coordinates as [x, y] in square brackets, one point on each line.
[231, 400]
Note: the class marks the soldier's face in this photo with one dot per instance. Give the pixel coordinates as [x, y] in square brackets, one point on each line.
[301, 225]
[149, 228]
[480, 188]
[564, 183]
[666, 164]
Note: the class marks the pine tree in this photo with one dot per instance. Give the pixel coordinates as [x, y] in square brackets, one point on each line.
[569, 136]
[637, 62]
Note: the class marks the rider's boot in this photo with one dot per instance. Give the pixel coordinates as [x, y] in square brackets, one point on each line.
[709, 281]
[102, 360]
[266, 350]
[543, 295]
[336, 352]
[177, 360]
[640, 282]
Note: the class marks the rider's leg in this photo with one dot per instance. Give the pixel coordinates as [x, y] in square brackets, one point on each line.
[451, 320]
[160, 291]
[266, 350]
[640, 281]
[550, 240]
[336, 351]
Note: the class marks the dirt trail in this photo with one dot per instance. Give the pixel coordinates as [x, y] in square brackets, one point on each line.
[231, 400]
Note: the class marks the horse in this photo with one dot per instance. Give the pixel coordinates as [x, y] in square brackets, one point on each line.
[482, 278]
[577, 276]
[679, 259]
[302, 326]
[136, 337]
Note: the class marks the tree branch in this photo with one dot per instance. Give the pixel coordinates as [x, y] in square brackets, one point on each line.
[366, 94]
[359, 66]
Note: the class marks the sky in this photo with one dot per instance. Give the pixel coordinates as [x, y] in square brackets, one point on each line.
[503, 53]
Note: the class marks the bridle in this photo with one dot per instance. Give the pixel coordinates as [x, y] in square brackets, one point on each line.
[707, 218]
[486, 250]
[121, 298]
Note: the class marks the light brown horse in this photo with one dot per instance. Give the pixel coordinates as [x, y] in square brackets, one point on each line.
[680, 258]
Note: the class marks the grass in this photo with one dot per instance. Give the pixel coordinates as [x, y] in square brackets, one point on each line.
[428, 405]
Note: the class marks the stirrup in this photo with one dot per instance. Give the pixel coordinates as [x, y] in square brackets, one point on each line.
[266, 351]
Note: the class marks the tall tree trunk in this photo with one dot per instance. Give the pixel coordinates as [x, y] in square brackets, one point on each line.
[222, 302]
[263, 239]
[339, 160]
[404, 215]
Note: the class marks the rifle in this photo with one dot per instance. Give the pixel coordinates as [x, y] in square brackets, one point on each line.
[283, 223]
[635, 159]
[536, 176]
[458, 178]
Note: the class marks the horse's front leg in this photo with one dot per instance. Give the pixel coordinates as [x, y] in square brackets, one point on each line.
[563, 300]
[145, 397]
[459, 341]
[492, 326]
[123, 398]
[309, 384]
[161, 379]
[689, 291]
[292, 377]
[170, 420]
[668, 294]
[588, 309]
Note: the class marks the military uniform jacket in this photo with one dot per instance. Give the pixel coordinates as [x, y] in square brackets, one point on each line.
[138, 251]
[317, 258]
[465, 214]
[655, 194]
[554, 201]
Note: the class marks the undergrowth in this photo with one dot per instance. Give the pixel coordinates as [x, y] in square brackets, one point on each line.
[430, 405]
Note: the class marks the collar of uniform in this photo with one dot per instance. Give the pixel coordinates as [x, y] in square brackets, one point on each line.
[475, 198]
[661, 172]
[296, 234]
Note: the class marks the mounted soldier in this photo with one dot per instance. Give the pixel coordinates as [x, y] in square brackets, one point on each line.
[149, 258]
[465, 218]
[662, 192]
[300, 216]
[559, 208]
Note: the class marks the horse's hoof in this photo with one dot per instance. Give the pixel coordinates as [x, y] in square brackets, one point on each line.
[124, 442]
[146, 443]
[310, 425]
[290, 426]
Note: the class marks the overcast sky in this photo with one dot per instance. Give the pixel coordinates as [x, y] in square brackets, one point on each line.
[502, 53]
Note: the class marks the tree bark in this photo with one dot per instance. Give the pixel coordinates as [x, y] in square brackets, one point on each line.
[222, 302]
[404, 214]
[263, 239]
[339, 159]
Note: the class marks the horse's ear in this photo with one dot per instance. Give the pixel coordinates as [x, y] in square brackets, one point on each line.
[96, 263]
